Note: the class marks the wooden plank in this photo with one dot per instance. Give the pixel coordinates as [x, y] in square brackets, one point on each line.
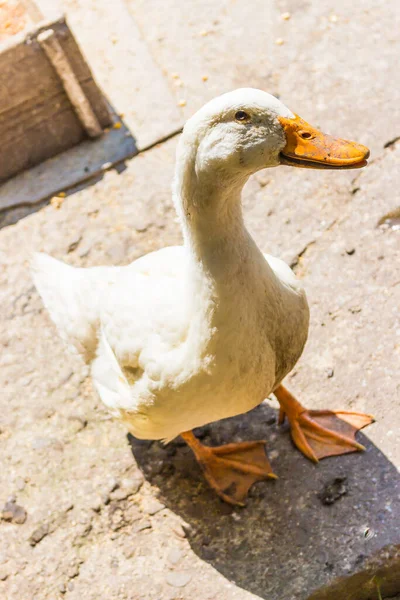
[37, 120]
[56, 55]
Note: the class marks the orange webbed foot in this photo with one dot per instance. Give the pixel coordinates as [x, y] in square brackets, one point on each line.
[321, 433]
[232, 469]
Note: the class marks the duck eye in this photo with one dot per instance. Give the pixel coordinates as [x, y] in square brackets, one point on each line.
[305, 135]
[241, 115]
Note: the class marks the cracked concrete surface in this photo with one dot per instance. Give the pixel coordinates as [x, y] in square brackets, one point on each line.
[109, 517]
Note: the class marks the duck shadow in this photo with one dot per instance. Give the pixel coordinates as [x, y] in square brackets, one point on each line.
[296, 534]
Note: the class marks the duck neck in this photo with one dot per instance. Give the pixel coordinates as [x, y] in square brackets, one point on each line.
[209, 207]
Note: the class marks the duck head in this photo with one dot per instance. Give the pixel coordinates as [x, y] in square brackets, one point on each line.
[246, 130]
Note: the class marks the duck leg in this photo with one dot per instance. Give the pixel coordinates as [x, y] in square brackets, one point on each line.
[320, 433]
[233, 468]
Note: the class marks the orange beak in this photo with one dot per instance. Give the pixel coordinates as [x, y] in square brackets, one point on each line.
[308, 148]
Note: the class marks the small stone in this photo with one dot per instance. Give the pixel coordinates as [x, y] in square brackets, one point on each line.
[355, 309]
[74, 244]
[79, 423]
[85, 248]
[179, 530]
[178, 578]
[73, 571]
[56, 202]
[113, 484]
[85, 528]
[175, 556]
[128, 488]
[182, 102]
[96, 505]
[13, 512]
[3, 574]
[279, 42]
[151, 506]
[129, 551]
[67, 506]
[19, 515]
[70, 586]
[330, 372]
[62, 589]
[39, 534]
[285, 16]
[106, 498]
[263, 179]
[334, 490]
[205, 77]
[141, 225]
[120, 494]
[350, 250]
[273, 455]
[141, 526]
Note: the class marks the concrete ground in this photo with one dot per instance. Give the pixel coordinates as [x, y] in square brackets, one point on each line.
[107, 517]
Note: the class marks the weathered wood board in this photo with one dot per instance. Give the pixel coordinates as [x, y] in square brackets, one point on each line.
[37, 119]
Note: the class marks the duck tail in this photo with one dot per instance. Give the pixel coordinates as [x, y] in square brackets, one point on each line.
[64, 293]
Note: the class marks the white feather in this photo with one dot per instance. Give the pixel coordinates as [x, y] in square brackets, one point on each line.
[108, 378]
[64, 291]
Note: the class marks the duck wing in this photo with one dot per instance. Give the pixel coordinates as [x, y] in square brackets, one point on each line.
[133, 303]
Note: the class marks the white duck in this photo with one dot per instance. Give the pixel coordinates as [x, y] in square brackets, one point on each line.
[189, 335]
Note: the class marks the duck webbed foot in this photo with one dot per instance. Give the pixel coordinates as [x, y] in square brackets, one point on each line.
[321, 433]
[233, 468]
